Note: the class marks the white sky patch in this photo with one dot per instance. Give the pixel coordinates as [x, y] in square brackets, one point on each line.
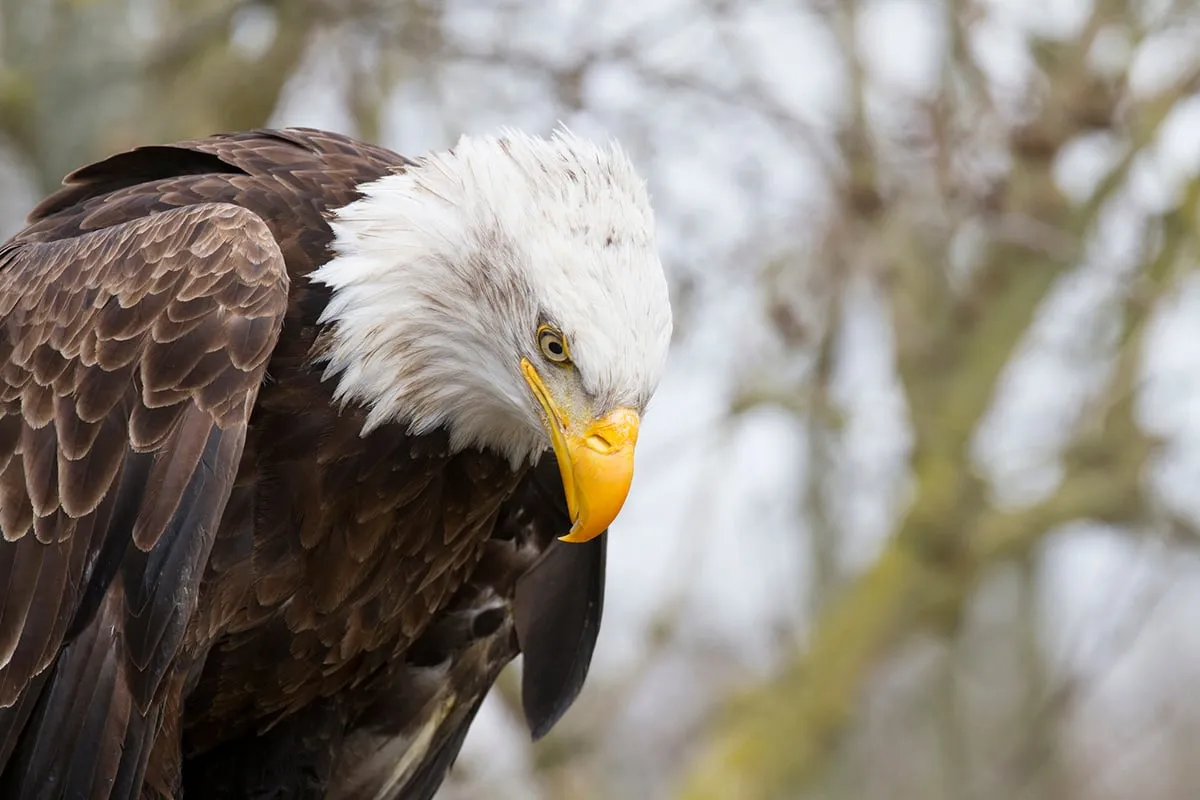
[1000, 48]
[871, 482]
[1161, 172]
[795, 57]
[902, 44]
[314, 95]
[1111, 52]
[1162, 59]
[1050, 19]
[253, 30]
[1178, 146]
[1091, 580]
[1170, 400]
[1084, 162]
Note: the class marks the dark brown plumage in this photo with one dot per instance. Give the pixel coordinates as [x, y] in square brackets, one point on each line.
[211, 581]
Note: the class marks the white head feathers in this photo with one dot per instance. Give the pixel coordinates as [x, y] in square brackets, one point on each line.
[443, 273]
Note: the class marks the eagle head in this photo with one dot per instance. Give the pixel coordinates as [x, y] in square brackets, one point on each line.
[508, 290]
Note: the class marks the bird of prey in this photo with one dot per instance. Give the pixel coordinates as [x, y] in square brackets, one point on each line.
[291, 427]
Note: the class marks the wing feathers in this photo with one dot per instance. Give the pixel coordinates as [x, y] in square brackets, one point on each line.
[165, 367]
[75, 435]
[100, 390]
[14, 718]
[10, 433]
[88, 466]
[115, 353]
[133, 356]
[149, 428]
[126, 169]
[37, 403]
[48, 365]
[25, 566]
[16, 511]
[175, 560]
[83, 711]
[124, 322]
[40, 458]
[171, 476]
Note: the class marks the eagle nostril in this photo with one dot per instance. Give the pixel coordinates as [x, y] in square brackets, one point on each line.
[598, 443]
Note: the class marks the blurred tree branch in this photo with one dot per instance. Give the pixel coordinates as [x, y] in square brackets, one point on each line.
[953, 347]
[77, 84]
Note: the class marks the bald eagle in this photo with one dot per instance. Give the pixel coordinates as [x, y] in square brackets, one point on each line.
[291, 427]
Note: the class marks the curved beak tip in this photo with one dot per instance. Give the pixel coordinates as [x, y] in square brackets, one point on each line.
[599, 473]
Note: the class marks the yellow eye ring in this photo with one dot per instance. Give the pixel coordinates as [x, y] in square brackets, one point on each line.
[553, 345]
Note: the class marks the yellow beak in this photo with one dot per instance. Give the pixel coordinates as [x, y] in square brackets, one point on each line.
[595, 459]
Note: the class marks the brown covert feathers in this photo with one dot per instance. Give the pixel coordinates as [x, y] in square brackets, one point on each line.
[213, 586]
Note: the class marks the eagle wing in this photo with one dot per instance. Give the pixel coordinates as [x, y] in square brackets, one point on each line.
[130, 359]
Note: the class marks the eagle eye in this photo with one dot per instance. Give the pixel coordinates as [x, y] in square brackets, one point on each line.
[554, 345]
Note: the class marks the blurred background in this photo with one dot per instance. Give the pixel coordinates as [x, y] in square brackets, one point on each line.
[918, 506]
